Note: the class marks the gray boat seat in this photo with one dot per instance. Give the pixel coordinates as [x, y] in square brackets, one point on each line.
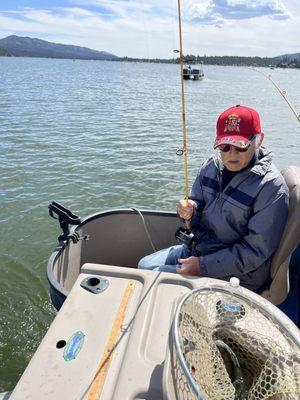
[279, 288]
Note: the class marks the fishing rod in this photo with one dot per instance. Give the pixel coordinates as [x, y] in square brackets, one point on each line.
[281, 92]
[184, 134]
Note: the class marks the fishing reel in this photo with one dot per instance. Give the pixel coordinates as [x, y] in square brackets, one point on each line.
[185, 236]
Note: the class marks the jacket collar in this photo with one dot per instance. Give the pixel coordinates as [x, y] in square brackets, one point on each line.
[261, 166]
[263, 162]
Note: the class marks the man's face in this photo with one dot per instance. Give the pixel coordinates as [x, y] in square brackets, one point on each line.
[234, 160]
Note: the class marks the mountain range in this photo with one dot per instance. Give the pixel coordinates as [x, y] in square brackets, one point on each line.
[28, 47]
[289, 57]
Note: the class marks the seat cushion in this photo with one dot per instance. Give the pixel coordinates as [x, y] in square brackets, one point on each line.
[279, 287]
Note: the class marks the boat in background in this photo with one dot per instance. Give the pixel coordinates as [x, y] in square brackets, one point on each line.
[193, 73]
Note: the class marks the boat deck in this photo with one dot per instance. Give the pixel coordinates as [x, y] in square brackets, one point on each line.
[118, 338]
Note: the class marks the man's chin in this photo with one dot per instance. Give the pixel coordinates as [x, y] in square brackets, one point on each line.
[233, 167]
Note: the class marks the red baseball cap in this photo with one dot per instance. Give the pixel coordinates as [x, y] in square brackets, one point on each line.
[236, 126]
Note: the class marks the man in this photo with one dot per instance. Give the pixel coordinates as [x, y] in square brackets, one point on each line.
[237, 208]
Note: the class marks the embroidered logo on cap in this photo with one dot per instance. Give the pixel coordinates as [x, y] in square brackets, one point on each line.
[232, 123]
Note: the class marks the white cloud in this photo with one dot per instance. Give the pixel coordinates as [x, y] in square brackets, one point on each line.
[117, 8]
[217, 11]
[201, 11]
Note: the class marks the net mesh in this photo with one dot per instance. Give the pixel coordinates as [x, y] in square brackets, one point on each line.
[232, 350]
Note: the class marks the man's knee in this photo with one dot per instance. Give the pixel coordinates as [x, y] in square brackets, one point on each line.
[154, 259]
[144, 263]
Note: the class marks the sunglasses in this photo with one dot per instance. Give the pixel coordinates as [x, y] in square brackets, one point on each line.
[227, 147]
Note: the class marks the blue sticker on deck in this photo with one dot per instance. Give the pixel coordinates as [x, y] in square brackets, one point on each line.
[73, 346]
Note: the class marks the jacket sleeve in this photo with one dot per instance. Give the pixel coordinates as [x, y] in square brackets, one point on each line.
[265, 229]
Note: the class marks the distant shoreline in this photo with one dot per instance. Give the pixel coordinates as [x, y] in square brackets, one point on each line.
[18, 46]
[229, 61]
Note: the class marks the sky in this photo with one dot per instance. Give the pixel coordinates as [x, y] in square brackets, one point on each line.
[149, 28]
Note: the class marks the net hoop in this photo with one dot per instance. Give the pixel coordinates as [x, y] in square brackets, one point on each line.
[268, 310]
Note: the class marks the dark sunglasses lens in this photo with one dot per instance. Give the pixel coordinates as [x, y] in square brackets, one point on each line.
[227, 148]
[242, 150]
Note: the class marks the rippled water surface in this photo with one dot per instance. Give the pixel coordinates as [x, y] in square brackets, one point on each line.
[97, 135]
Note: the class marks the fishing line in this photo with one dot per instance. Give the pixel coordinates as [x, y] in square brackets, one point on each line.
[145, 227]
[281, 92]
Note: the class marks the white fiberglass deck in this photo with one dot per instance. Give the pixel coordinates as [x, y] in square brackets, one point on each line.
[121, 342]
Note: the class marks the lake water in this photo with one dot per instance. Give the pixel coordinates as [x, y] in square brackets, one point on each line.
[97, 135]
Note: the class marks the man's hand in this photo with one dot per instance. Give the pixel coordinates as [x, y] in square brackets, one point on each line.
[189, 266]
[185, 209]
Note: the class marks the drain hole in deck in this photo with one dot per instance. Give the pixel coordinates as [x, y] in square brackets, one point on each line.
[60, 344]
[93, 281]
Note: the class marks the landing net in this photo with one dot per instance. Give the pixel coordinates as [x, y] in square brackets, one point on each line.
[228, 345]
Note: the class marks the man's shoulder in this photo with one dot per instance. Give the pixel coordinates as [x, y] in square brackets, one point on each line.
[273, 178]
[267, 175]
[271, 188]
[210, 166]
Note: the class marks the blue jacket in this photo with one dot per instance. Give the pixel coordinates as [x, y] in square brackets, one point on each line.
[239, 228]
